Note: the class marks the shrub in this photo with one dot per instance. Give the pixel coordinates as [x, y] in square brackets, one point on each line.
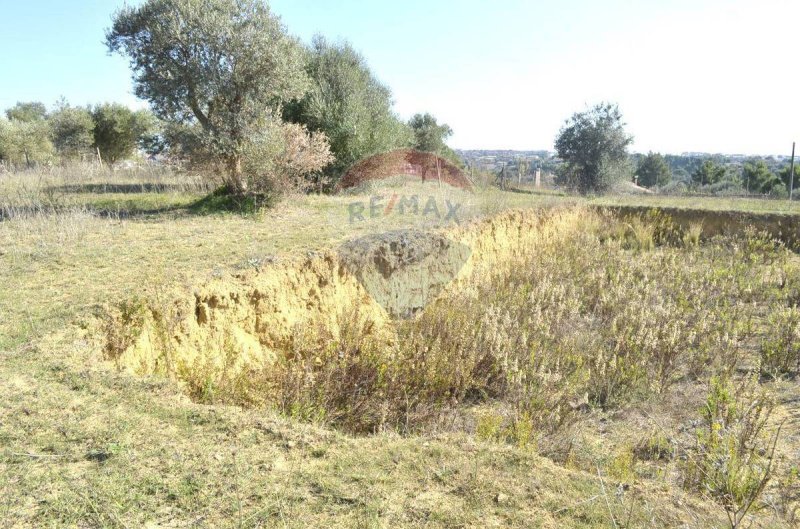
[780, 349]
[733, 458]
[283, 157]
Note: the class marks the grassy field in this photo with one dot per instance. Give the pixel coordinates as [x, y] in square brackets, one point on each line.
[740, 204]
[83, 445]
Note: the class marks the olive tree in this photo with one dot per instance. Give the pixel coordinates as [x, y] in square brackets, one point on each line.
[349, 104]
[25, 142]
[118, 130]
[594, 148]
[27, 112]
[226, 65]
[429, 135]
[72, 130]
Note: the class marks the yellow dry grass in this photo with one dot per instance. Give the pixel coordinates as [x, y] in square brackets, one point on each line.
[84, 445]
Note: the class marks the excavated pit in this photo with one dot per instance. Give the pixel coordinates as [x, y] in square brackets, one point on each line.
[248, 320]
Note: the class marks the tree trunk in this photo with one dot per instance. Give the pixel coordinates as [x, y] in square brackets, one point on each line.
[236, 180]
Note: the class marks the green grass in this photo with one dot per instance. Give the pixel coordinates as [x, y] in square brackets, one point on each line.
[740, 204]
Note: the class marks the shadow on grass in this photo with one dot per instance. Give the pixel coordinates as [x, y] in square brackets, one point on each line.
[223, 201]
[100, 189]
[218, 202]
[542, 193]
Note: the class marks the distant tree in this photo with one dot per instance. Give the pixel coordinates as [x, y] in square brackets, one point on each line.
[785, 175]
[653, 171]
[72, 130]
[25, 142]
[709, 173]
[27, 112]
[226, 65]
[594, 147]
[758, 178]
[119, 130]
[429, 136]
[681, 175]
[349, 104]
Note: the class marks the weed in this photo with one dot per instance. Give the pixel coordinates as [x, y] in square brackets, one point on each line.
[733, 458]
[780, 349]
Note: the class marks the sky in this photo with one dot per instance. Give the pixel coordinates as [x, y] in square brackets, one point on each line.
[720, 76]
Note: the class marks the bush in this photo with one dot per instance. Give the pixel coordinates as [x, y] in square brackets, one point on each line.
[733, 457]
[285, 157]
[780, 349]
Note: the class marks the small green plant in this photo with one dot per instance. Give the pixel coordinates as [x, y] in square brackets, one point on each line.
[788, 496]
[489, 427]
[655, 447]
[622, 466]
[665, 231]
[733, 460]
[640, 235]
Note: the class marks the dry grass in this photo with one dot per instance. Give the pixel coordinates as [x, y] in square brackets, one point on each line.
[82, 445]
[65, 263]
[741, 204]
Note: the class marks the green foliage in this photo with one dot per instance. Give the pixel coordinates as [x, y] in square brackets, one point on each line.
[733, 459]
[72, 130]
[758, 178]
[226, 65]
[27, 112]
[349, 104]
[655, 447]
[118, 130]
[429, 136]
[622, 467]
[653, 171]
[709, 173]
[25, 142]
[593, 145]
[785, 175]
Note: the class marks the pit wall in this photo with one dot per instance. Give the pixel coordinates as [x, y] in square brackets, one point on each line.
[249, 319]
[785, 228]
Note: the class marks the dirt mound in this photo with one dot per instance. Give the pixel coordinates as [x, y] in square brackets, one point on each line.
[424, 165]
[404, 270]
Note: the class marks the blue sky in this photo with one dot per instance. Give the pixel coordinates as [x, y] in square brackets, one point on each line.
[700, 75]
